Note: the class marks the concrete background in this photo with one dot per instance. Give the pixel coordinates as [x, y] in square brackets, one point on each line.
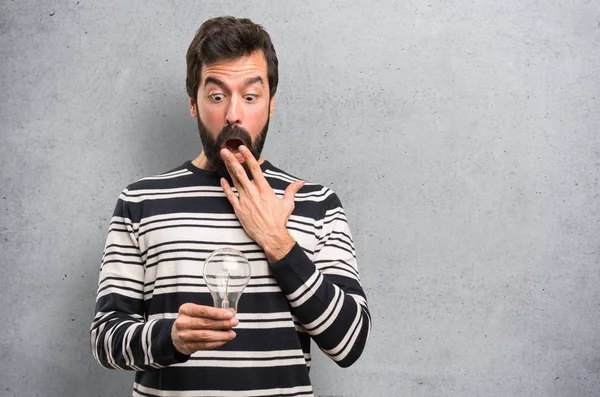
[462, 137]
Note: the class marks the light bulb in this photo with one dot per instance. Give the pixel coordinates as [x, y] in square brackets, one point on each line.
[226, 274]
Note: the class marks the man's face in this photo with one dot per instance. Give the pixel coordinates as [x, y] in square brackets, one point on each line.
[233, 107]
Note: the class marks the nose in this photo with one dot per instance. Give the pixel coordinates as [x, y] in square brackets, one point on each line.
[234, 111]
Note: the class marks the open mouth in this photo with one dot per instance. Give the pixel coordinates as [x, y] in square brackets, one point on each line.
[233, 145]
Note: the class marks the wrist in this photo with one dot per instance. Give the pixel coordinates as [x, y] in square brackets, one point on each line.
[277, 248]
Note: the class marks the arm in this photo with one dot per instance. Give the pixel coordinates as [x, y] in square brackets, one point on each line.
[326, 295]
[121, 338]
[327, 298]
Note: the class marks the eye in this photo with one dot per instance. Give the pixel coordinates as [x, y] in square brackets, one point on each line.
[216, 97]
[250, 97]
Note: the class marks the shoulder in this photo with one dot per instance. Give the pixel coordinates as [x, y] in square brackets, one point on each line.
[172, 177]
[162, 192]
[311, 192]
[157, 188]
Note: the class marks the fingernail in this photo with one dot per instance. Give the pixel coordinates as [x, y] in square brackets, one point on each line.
[232, 334]
[234, 322]
[228, 314]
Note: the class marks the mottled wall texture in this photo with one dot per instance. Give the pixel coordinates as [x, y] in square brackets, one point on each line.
[462, 137]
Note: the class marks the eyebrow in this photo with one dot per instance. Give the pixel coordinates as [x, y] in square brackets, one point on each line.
[220, 83]
[253, 80]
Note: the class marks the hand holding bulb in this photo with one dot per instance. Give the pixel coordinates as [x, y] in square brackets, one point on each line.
[199, 327]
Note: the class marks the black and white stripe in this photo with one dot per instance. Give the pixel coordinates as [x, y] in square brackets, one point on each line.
[163, 229]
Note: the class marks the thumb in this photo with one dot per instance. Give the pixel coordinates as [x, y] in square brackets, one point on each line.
[291, 191]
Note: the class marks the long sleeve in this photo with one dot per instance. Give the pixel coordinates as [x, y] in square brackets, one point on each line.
[325, 294]
[121, 338]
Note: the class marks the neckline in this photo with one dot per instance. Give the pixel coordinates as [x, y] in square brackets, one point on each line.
[214, 174]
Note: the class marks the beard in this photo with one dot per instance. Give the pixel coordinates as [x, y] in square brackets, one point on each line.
[212, 147]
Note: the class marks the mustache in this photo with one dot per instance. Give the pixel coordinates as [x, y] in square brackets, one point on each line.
[234, 132]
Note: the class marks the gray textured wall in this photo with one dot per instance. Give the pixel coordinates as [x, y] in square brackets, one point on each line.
[462, 138]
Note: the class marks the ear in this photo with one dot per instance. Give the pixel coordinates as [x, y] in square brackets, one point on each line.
[272, 106]
[193, 112]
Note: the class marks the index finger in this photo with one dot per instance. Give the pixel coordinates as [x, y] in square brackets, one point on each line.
[235, 170]
[208, 312]
[253, 166]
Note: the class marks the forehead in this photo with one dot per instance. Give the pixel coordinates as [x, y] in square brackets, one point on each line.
[232, 71]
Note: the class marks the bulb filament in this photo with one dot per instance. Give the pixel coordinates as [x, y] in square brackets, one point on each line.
[225, 304]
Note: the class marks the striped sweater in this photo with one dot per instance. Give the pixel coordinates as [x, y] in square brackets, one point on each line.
[163, 229]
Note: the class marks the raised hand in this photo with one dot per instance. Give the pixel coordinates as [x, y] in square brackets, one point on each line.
[262, 214]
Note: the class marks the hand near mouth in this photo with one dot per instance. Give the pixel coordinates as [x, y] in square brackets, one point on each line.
[233, 145]
[262, 214]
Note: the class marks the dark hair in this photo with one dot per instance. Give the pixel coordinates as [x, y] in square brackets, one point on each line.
[228, 38]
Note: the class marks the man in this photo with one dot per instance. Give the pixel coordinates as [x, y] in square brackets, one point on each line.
[154, 314]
